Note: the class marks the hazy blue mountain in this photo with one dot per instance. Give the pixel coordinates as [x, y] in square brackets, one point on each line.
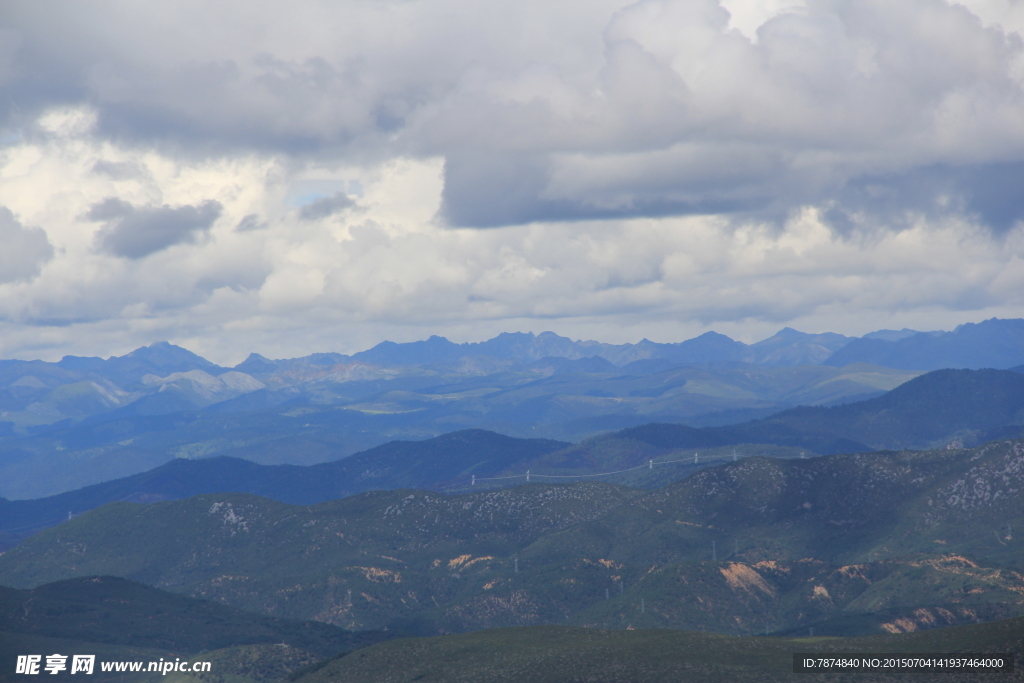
[994, 343]
[444, 463]
[894, 335]
[152, 404]
[519, 384]
[34, 394]
[945, 407]
[318, 418]
[127, 371]
[164, 377]
[958, 407]
[429, 464]
[433, 350]
[560, 364]
[527, 346]
[789, 347]
[709, 347]
[25, 382]
[257, 364]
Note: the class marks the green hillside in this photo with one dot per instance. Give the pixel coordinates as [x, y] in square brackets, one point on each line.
[14, 644]
[559, 654]
[116, 611]
[848, 544]
[962, 407]
[117, 619]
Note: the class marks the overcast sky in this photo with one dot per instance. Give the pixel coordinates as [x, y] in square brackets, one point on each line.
[319, 176]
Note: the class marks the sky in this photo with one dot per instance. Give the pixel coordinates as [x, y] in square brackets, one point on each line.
[321, 176]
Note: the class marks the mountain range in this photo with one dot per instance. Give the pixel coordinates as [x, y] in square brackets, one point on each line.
[941, 408]
[949, 408]
[280, 513]
[322, 421]
[82, 420]
[164, 378]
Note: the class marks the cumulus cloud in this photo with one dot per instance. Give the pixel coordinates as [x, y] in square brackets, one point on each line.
[689, 116]
[644, 168]
[24, 251]
[391, 270]
[135, 232]
[565, 110]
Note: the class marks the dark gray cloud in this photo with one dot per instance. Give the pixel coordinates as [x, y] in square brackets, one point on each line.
[23, 250]
[134, 232]
[492, 190]
[328, 206]
[249, 223]
[861, 107]
[991, 194]
[119, 170]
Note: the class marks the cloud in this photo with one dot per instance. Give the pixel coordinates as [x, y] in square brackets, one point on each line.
[644, 168]
[118, 170]
[250, 222]
[24, 251]
[391, 270]
[690, 116]
[569, 110]
[327, 206]
[134, 232]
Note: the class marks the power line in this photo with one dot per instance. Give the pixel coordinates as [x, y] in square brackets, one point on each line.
[48, 523]
[54, 522]
[650, 465]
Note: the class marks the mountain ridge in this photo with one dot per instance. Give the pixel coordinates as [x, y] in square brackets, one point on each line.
[896, 540]
[994, 343]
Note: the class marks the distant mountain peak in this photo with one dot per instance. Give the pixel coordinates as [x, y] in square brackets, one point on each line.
[1007, 324]
[992, 343]
[164, 351]
[711, 334]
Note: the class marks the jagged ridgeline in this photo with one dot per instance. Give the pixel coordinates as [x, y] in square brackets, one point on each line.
[848, 544]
